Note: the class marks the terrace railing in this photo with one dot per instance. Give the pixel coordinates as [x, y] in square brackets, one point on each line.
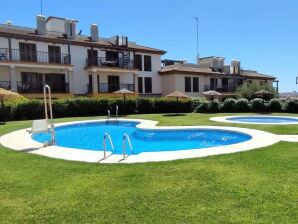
[113, 63]
[33, 56]
[37, 87]
[5, 85]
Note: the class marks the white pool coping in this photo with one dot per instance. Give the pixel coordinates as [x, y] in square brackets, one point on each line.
[21, 141]
[225, 119]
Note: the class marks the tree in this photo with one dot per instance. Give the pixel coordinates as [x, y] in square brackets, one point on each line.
[248, 89]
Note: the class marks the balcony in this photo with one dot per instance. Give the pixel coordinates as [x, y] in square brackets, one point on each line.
[223, 88]
[122, 63]
[16, 55]
[5, 85]
[110, 88]
[37, 87]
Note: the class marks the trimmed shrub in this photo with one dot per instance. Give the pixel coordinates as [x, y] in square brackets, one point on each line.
[243, 105]
[145, 105]
[291, 106]
[27, 110]
[229, 105]
[258, 105]
[204, 107]
[163, 105]
[197, 101]
[275, 105]
[215, 106]
[125, 107]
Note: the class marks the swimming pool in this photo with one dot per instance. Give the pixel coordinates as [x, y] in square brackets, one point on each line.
[89, 136]
[258, 119]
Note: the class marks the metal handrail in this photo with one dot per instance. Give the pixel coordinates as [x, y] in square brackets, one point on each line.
[126, 138]
[116, 113]
[109, 115]
[105, 137]
[47, 89]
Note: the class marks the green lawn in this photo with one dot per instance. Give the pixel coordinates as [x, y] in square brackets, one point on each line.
[258, 186]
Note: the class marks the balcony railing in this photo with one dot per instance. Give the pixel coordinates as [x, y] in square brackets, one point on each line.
[110, 88]
[113, 63]
[37, 87]
[5, 85]
[33, 56]
[223, 88]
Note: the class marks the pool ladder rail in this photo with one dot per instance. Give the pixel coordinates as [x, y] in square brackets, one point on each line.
[126, 138]
[116, 114]
[106, 137]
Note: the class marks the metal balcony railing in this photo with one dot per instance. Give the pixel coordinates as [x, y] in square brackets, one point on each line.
[223, 88]
[37, 87]
[110, 88]
[5, 85]
[7, 54]
[113, 63]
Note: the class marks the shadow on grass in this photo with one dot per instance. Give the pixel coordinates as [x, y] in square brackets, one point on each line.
[173, 115]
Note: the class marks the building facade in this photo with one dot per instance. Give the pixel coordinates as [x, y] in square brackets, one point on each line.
[54, 53]
[210, 74]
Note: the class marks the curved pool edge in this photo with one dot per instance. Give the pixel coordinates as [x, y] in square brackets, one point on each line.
[225, 119]
[21, 141]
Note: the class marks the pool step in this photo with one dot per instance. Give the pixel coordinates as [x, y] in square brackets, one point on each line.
[112, 159]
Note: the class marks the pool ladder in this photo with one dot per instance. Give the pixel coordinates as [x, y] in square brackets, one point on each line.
[116, 115]
[106, 137]
[126, 138]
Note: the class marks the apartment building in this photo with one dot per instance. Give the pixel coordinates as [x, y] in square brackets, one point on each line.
[210, 73]
[54, 53]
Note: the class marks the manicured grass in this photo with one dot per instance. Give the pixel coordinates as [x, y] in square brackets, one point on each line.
[258, 186]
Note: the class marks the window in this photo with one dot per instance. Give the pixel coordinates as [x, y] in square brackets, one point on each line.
[187, 84]
[147, 63]
[148, 85]
[140, 84]
[28, 52]
[113, 83]
[30, 82]
[54, 54]
[138, 62]
[92, 57]
[195, 84]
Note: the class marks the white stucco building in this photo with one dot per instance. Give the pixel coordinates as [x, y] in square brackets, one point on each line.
[210, 74]
[73, 64]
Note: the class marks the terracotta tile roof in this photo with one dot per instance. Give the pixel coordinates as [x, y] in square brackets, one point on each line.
[187, 68]
[203, 70]
[254, 74]
[81, 40]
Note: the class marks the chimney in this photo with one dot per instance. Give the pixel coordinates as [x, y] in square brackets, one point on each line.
[94, 32]
[70, 28]
[41, 24]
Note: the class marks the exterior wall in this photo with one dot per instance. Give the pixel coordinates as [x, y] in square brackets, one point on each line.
[80, 76]
[55, 24]
[156, 79]
[173, 82]
[4, 73]
[3, 42]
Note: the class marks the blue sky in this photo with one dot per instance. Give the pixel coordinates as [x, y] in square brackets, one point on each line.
[262, 34]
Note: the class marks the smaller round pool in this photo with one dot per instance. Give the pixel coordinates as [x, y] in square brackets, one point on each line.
[258, 119]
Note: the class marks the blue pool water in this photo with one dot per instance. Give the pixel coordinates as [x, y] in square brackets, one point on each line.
[264, 119]
[89, 136]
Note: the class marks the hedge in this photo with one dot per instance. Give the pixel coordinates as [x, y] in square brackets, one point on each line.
[84, 106]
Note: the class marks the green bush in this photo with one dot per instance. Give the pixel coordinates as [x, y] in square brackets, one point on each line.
[229, 105]
[124, 107]
[163, 105]
[145, 105]
[258, 105]
[27, 110]
[197, 101]
[215, 106]
[203, 107]
[243, 105]
[291, 106]
[275, 105]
